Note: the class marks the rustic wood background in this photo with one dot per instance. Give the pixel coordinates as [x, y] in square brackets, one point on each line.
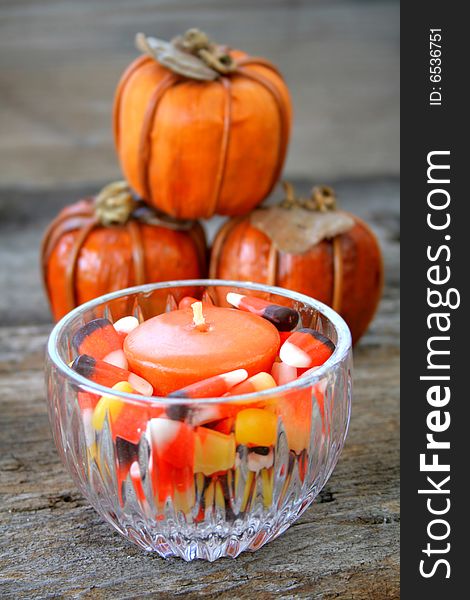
[59, 63]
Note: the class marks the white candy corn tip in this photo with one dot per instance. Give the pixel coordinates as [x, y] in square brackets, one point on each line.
[117, 358]
[206, 415]
[163, 431]
[295, 357]
[235, 377]
[234, 299]
[126, 324]
[140, 385]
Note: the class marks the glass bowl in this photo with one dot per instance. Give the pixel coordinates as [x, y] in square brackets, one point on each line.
[175, 478]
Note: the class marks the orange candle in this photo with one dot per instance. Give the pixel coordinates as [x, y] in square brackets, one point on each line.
[178, 348]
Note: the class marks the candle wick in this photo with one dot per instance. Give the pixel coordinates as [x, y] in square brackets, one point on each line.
[198, 318]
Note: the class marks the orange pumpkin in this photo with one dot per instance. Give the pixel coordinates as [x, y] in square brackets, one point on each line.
[110, 242]
[276, 246]
[208, 135]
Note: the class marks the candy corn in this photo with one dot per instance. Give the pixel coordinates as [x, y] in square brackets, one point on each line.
[171, 462]
[217, 416]
[282, 317]
[295, 412]
[106, 374]
[140, 385]
[128, 420]
[109, 405]
[212, 386]
[256, 427]
[283, 373]
[260, 457]
[97, 339]
[306, 348]
[99, 371]
[256, 383]
[172, 441]
[126, 324]
[117, 358]
[213, 451]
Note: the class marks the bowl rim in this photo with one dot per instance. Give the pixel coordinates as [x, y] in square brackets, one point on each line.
[343, 344]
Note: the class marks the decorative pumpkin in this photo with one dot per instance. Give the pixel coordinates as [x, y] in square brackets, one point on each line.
[200, 129]
[111, 242]
[307, 246]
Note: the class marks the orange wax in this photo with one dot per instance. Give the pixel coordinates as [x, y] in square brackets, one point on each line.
[171, 352]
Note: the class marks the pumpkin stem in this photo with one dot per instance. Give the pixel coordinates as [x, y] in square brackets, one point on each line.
[192, 54]
[290, 199]
[322, 199]
[114, 204]
[198, 43]
[192, 41]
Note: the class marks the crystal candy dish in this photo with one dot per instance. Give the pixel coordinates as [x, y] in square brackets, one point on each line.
[257, 493]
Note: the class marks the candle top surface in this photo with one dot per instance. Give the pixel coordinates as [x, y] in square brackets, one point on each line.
[171, 344]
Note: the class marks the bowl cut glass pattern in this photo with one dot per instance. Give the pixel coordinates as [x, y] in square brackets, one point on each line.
[208, 496]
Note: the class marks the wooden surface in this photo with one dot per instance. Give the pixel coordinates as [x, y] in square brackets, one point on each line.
[53, 545]
[60, 61]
